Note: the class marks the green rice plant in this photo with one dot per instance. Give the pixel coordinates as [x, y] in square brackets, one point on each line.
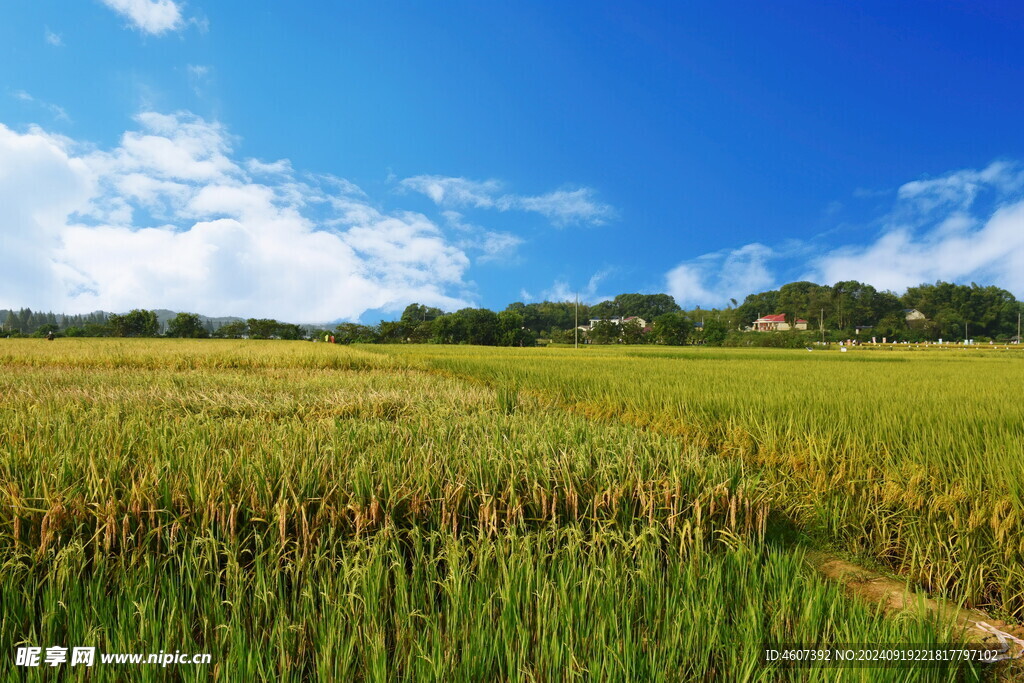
[507, 398]
[552, 604]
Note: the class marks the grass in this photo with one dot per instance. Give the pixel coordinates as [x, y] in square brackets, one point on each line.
[307, 510]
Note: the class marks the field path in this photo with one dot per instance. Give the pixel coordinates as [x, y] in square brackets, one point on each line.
[894, 596]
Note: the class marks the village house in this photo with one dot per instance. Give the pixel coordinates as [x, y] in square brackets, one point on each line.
[912, 315]
[777, 323]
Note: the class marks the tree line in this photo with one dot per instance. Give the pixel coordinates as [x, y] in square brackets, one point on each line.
[839, 311]
[25, 321]
[950, 311]
[144, 323]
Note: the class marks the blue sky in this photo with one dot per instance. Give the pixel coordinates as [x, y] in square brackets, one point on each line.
[321, 160]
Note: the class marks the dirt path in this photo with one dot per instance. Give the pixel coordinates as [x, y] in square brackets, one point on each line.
[894, 596]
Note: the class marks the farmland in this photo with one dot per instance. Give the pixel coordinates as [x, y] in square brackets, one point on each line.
[914, 458]
[396, 512]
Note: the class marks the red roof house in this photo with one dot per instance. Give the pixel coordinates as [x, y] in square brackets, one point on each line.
[777, 323]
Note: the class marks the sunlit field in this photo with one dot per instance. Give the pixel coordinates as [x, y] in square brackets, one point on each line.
[303, 510]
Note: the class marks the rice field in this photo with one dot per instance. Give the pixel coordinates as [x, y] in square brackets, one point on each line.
[914, 459]
[309, 511]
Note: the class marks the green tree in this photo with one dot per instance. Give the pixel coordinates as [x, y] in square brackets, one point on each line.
[417, 313]
[987, 311]
[567, 337]
[393, 331]
[422, 331]
[262, 328]
[477, 326]
[350, 333]
[547, 316]
[45, 329]
[646, 306]
[794, 300]
[604, 332]
[853, 304]
[136, 323]
[512, 331]
[235, 329]
[94, 329]
[186, 325]
[605, 310]
[672, 328]
[289, 331]
[632, 332]
[714, 332]
[445, 329]
[757, 305]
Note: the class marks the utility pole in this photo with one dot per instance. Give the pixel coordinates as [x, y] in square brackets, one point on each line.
[576, 329]
[821, 325]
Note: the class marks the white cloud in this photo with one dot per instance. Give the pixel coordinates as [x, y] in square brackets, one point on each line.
[496, 246]
[712, 279]
[176, 147]
[957, 191]
[492, 245]
[39, 186]
[199, 76]
[58, 112]
[149, 16]
[562, 291]
[446, 191]
[561, 207]
[281, 167]
[170, 219]
[964, 226]
[53, 38]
